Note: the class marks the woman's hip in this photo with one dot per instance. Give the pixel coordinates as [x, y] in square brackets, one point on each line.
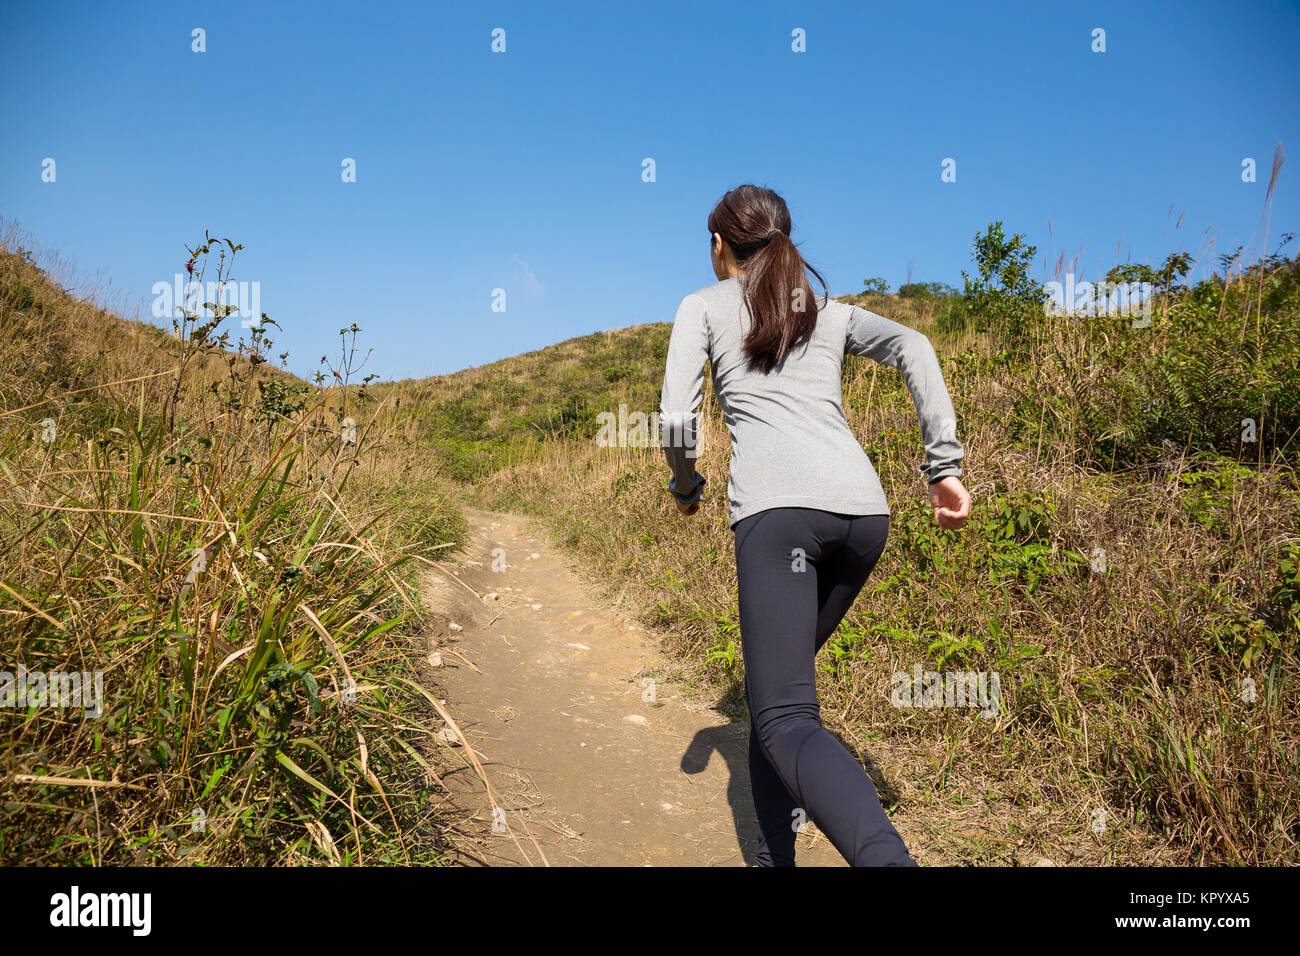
[786, 534]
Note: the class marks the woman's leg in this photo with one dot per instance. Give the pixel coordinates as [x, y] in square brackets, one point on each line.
[775, 808]
[781, 555]
[838, 585]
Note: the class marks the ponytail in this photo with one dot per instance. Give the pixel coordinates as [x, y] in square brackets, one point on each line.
[755, 223]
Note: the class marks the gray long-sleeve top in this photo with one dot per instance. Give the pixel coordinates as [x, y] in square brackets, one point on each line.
[791, 445]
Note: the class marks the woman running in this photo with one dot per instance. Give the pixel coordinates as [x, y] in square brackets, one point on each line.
[808, 512]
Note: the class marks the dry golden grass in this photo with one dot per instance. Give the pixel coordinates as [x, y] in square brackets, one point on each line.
[242, 579]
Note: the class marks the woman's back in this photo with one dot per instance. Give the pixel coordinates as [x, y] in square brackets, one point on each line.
[791, 443]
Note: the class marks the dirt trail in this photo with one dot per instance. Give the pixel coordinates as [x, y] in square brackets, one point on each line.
[558, 711]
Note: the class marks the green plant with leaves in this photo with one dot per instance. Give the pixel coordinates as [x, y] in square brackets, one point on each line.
[926, 290]
[1002, 292]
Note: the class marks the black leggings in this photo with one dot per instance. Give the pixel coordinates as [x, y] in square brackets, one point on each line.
[799, 571]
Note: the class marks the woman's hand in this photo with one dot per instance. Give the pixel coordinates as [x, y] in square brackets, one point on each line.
[951, 502]
[690, 509]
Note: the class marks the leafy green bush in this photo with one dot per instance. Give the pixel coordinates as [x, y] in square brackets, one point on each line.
[1002, 294]
[926, 290]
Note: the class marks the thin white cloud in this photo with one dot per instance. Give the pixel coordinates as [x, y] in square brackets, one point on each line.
[532, 288]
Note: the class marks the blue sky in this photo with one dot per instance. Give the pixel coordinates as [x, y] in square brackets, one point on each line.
[522, 170]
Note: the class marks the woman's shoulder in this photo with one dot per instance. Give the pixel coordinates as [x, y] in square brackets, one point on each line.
[833, 306]
[719, 291]
[832, 313]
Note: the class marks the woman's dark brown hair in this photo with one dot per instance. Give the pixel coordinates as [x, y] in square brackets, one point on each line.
[755, 223]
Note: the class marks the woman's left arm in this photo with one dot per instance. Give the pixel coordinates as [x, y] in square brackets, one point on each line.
[682, 393]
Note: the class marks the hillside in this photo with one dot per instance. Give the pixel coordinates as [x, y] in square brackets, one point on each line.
[245, 569]
[60, 342]
[478, 418]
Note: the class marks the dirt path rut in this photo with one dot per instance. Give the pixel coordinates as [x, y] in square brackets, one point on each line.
[584, 755]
